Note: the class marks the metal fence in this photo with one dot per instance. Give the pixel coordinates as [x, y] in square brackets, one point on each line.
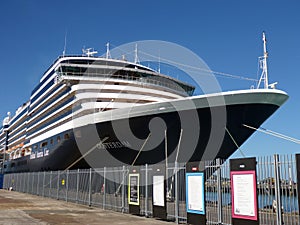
[108, 188]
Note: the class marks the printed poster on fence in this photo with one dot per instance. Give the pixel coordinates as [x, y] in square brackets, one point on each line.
[195, 193]
[158, 191]
[244, 199]
[133, 189]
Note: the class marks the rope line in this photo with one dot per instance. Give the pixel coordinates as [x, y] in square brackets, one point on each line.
[235, 142]
[273, 133]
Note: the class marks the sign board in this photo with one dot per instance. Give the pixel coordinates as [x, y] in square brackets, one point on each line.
[133, 189]
[244, 191]
[195, 202]
[158, 191]
[1, 180]
[244, 203]
[159, 204]
[298, 179]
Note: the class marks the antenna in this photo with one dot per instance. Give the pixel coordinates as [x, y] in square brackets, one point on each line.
[159, 62]
[136, 58]
[264, 65]
[89, 52]
[65, 46]
[107, 51]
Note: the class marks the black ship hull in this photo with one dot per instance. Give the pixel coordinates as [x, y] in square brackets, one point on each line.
[202, 133]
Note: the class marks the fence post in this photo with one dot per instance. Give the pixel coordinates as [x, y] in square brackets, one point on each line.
[176, 194]
[44, 177]
[77, 186]
[104, 188]
[123, 189]
[277, 190]
[146, 190]
[50, 185]
[90, 187]
[219, 186]
[38, 183]
[57, 196]
[67, 185]
[27, 182]
[32, 192]
[24, 182]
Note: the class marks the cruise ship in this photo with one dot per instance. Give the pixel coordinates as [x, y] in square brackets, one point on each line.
[90, 111]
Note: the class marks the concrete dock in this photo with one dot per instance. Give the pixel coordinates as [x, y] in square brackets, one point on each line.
[19, 208]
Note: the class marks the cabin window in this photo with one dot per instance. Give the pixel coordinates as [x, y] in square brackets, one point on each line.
[58, 139]
[51, 141]
[44, 144]
[66, 136]
[35, 147]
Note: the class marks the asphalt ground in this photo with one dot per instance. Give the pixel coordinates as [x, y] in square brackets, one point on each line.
[19, 208]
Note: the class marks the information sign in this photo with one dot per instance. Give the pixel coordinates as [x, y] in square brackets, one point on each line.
[195, 202]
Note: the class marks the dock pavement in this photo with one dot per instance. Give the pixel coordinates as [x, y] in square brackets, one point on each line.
[19, 208]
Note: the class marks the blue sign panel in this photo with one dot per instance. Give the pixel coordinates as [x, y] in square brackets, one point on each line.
[1, 180]
[195, 200]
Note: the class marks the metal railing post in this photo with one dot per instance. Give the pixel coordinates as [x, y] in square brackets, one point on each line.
[24, 182]
[28, 182]
[44, 177]
[57, 194]
[90, 187]
[277, 190]
[50, 185]
[77, 185]
[32, 182]
[219, 186]
[123, 189]
[67, 185]
[104, 188]
[176, 194]
[38, 183]
[146, 190]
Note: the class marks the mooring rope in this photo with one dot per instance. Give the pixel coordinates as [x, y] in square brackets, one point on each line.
[273, 133]
[235, 142]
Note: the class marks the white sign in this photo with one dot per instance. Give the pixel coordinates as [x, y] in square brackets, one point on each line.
[195, 193]
[244, 195]
[134, 189]
[158, 191]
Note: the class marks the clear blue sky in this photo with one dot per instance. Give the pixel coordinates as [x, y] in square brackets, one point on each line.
[226, 34]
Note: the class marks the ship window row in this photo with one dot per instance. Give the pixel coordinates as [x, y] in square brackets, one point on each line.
[40, 103]
[16, 129]
[51, 101]
[98, 62]
[43, 82]
[18, 125]
[56, 108]
[44, 89]
[52, 141]
[127, 75]
[143, 86]
[50, 122]
[53, 119]
[48, 112]
[24, 110]
[85, 61]
[143, 92]
[79, 61]
[51, 126]
[17, 136]
[104, 62]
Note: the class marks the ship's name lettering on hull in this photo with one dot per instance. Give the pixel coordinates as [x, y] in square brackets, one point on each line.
[113, 145]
